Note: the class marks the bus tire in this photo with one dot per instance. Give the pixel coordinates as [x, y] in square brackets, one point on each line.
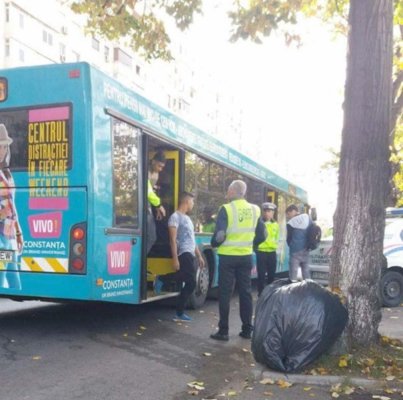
[392, 288]
[199, 295]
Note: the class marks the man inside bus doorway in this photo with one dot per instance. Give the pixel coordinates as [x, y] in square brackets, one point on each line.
[266, 252]
[184, 252]
[157, 164]
[297, 238]
[238, 227]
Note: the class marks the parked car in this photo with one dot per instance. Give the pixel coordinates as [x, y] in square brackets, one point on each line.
[391, 288]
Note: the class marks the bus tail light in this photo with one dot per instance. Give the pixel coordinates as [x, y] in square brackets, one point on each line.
[78, 249]
[3, 89]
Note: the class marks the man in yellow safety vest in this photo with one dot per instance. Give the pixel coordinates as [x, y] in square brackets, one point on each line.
[266, 257]
[238, 227]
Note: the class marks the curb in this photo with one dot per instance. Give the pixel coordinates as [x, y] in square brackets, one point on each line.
[322, 380]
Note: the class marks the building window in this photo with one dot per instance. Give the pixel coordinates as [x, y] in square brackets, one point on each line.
[122, 57]
[95, 44]
[47, 37]
[138, 69]
[7, 48]
[21, 55]
[125, 174]
[7, 13]
[62, 49]
[21, 19]
[106, 54]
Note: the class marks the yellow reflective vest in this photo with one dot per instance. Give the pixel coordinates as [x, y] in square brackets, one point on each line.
[153, 199]
[242, 221]
[273, 234]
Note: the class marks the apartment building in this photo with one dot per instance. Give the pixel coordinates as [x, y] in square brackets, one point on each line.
[47, 31]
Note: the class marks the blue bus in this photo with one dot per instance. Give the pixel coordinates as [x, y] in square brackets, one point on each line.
[75, 146]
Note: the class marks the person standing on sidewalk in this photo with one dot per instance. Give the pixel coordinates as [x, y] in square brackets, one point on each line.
[266, 252]
[297, 240]
[238, 226]
[184, 251]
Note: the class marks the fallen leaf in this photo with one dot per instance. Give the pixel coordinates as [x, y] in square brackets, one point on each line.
[343, 362]
[390, 378]
[267, 381]
[348, 390]
[143, 328]
[307, 389]
[381, 397]
[283, 384]
[232, 393]
[125, 335]
[193, 392]
[390, 391]
[268, 394]
[196, 385]
[369, 362]
[36, 357]
[201, 311]
[207, 354]
[138, 333]
[335, 395]
[312, 394]
[245, 350]
[252, 364]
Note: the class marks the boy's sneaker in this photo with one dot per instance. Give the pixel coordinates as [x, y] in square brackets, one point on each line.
[182, 318]
[157, 285]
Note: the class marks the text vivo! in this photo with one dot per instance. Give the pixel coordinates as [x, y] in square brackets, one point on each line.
[119, 259]
[45, 226]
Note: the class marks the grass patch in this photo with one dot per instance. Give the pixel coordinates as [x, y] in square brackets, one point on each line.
[381, 361]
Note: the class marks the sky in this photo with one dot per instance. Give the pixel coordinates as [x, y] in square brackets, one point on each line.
[291, 98]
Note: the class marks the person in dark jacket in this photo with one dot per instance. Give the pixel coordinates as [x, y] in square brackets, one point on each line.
[237, 225]
[297, 235]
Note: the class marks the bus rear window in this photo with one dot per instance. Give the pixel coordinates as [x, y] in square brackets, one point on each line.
[39, 138]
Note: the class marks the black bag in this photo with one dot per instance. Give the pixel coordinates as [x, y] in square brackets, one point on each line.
[314, 234]
[295, 323]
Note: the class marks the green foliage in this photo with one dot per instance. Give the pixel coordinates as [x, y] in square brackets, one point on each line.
[137, 21]
[397, 165]
[334, 160]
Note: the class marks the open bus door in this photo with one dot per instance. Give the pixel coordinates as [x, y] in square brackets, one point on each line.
[159, 260]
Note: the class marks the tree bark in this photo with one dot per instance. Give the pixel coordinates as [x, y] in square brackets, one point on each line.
[359, 220]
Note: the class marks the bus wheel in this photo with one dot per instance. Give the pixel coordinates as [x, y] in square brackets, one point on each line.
[392, 288]
[198, 297]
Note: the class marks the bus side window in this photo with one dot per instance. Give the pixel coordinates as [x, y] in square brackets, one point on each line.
[125, 175]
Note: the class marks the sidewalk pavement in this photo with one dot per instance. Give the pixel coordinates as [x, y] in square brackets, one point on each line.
[391, 326]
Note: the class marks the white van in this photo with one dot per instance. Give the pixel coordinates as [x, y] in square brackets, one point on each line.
[392, 274]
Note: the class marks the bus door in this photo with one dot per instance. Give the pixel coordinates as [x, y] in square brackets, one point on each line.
[159, 260]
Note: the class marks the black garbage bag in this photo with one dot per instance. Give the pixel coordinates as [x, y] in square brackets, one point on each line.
[295, 323]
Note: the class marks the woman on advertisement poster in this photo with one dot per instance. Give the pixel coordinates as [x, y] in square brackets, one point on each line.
[11, 240]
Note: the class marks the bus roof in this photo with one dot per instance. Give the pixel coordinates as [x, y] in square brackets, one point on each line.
[165, 124]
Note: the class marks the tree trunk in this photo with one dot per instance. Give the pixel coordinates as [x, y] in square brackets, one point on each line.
[359, 221]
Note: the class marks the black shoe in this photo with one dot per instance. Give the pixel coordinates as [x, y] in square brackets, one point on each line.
[220, 336]
[245, 334]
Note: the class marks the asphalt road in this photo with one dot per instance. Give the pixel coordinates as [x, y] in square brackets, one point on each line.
[106, 351]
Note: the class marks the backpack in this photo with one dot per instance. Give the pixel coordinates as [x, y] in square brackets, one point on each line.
[314, 234]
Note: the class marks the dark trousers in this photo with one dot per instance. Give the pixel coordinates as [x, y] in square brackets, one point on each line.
[186, 274]
[266, 263]
[238, 269]
[151, 230]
